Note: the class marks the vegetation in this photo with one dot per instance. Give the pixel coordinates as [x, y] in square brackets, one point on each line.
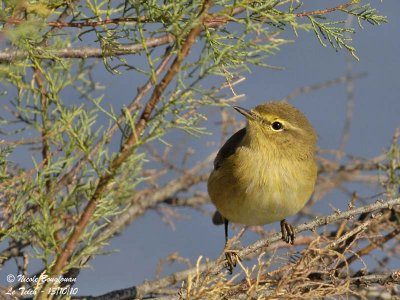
[80, 189]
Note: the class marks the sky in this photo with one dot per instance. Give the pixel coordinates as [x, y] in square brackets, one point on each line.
[376, 115]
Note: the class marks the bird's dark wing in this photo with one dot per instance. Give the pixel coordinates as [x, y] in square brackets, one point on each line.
[229, 147]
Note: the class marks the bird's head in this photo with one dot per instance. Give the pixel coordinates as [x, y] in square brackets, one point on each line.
[281, 125]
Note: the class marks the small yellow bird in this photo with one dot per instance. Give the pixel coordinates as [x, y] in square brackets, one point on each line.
[266, 171]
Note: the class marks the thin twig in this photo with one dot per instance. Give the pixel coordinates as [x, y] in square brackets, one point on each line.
[143, 201]
[65, 14]
[125, 152]
[326, 10]
[134, 105]
[9, 55]
[350, 98]
[14, 250]
[216, 266]
[46, 150]
[212, 20]
[323, 85]
[372, 246]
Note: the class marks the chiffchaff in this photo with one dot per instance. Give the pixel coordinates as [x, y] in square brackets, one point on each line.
[265, 171]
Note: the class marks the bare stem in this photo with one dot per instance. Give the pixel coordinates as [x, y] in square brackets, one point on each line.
[214, 267]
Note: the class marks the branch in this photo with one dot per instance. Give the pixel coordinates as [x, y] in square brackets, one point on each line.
[383, 279]
[323, 85]
[159, 90]
[147, 201]
[126, 151]
[142, 202]
[14, 250]
[372, 246]
[68, 10]
[10, 55]
[87, 23]
[212, 20]
[193, 201]
[142, 91]
[360, 283]
[327, 10]
[214, 267]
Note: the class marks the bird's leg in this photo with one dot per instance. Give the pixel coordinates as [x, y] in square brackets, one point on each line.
[231, 256]
[287, 232]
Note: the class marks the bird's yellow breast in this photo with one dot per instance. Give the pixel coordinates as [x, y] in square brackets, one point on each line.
[256, 187]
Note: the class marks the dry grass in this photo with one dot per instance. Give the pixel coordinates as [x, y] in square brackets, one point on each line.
[325, 268]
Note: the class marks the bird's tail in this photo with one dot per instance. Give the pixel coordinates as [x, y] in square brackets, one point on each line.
[217, 218]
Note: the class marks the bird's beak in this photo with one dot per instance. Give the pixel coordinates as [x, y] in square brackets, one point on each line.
[245, 112]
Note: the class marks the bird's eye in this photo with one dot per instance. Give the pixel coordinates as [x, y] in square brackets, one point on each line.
[277, 126]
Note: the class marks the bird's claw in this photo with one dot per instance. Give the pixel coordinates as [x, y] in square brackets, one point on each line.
[232, 257]
[287, 232]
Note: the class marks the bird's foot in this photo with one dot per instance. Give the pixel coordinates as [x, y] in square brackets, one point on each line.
[232, 257]
[287, 232]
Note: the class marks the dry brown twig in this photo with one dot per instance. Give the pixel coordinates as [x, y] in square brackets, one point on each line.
[125, 152]
[130, 144]
[212, 20]
[213, 269]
